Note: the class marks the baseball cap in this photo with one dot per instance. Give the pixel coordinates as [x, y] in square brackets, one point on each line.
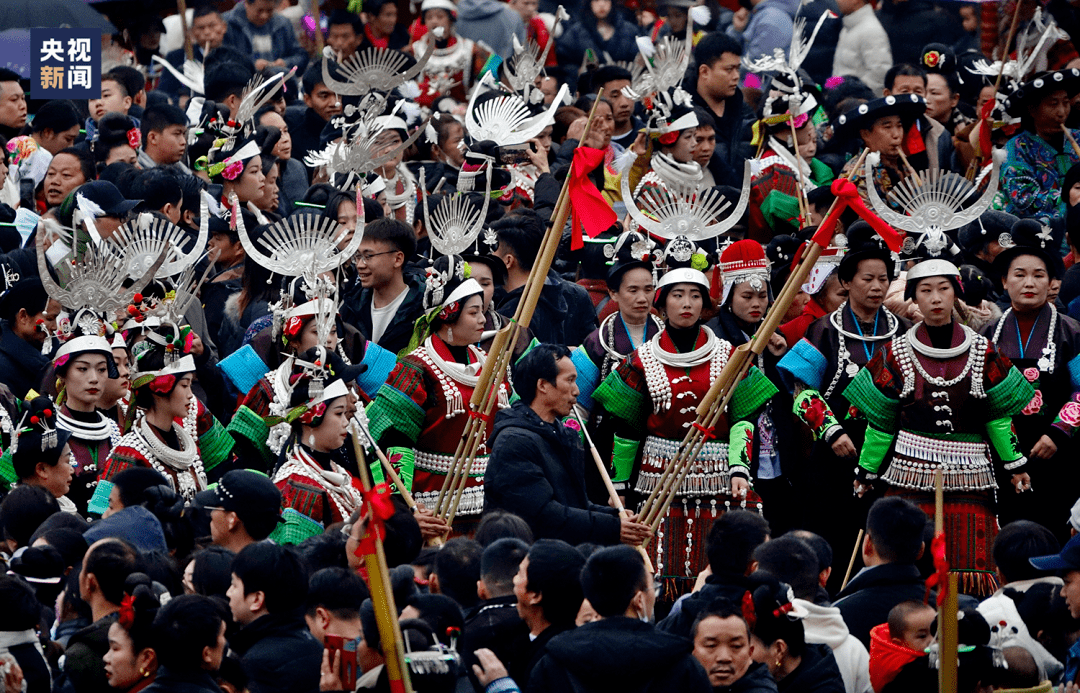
[1068, 559]
[107, 196]
[249, 494]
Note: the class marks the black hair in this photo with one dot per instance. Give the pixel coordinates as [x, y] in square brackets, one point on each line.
[395, 232]
[112, 130]
[212, 573]
[721, 607]
[903, 70]
[7, 75]
[122, 175]
[458, 567]
[190, 197]
[440, 612]
[374, 7]
[326, 550]
[523, 232]
[225, 77]
[819, 546]
[899, 614]
[86, 163]
[277, 572]
[338, 590]
[21, 609]
[145, 605]
[28, 294]
[23, 509]
[712, 47]
[540, 363]
[791, 560]
[203, 10]
[442, 125]
[312, 77]
[611, 577]
[773, 625]
[705, 119]
[118, 81]
[57, 115]
[157, 118]
[1016, 543]
[183, 628]
[344, 17]
[70, 543]
[896, 527]
[732, 540]
[608, 73]
[157, 187]
[111, 562]
[500, 524]
[555, 572]
[500, 562]
[129, 78]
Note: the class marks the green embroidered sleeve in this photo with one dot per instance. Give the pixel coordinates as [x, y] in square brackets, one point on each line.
[1010, 396]
[7, 469]
[1006, 444]
[403, 461]
[623, 456]
[814, 411]
[881, 411]
[215, 445]
[623, 401]
[740, 447]
[400, 402]
[248, 425]
[875, 448]
[751, 394]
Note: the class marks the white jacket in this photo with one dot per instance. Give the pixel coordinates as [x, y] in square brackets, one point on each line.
[863, 49]
[824, 625]
[998, 607]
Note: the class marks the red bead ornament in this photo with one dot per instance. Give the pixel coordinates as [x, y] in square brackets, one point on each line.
[138, 298]
[47, 413]
[34, 420]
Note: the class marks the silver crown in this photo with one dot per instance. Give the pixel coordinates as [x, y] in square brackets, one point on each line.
[373, 69]
[506, 119]
[456, 221]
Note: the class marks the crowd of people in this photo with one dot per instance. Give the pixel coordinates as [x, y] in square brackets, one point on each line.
[314, 332]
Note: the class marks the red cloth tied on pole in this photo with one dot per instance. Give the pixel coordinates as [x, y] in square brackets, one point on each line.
[939, 579]
[913, 140]
[588, 208]
[378, 508]
[847, 195]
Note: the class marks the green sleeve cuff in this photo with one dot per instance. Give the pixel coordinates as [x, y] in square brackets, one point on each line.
[215, 446]
[623, 456]
[99, 502]
[7, 469]
[403, 460]
[740, 445]
[248, 425]
[751, 394]
[875, 448]
[1006, 444]
[393, 409]
[814, 411]
[1010, 396]
[880, 410]
[622, 401]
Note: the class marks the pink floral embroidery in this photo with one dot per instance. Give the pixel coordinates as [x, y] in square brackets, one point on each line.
[1070, 414]
[1032, 374]
[1035, 405]
[572, 424]
[233, 170]
[162, 384]
[313, 413]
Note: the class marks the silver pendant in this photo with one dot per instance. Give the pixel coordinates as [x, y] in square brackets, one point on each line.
[1044, 364]
[852, 370]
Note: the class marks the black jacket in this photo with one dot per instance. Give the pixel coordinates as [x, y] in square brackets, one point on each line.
[182, 682]
[727, 586]
[872, 593]
[757, 679]
[618, 654]
[564, 315]
[732, 134]
[84, 670]
[494, 624]
[525, 653]
[356, 310]
[537, 471]
[21, 363]
[305, 127]
[278, 654]
[817, 673]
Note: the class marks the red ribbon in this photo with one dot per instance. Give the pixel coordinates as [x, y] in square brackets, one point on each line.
[748, 613]
[938, 579]
[126, 619]
[847, 195]
[706, 433]
[588, 208]
[378, 508]
[986, 126]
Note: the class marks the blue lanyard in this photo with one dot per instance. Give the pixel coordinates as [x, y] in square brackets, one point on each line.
[629, 336]
[869, 352]
[1020, 340]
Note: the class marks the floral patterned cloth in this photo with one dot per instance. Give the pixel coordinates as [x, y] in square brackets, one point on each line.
[1033, 174]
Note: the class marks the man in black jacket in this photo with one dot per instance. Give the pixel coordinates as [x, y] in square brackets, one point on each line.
[537, 464]
[622, 651]
[22, 364]
[894, 542]
[268, 592]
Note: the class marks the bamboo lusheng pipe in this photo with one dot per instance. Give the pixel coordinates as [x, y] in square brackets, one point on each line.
[486, 393]
[659, 501]
[382, 596]
[1071, 139]
[804, 207]
[851, 563]
[181, 8]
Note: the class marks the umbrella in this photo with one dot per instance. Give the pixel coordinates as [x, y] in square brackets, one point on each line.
[73, 14]
[15, 51]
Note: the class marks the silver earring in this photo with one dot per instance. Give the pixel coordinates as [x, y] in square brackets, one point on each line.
[311, 440]
[449, 334]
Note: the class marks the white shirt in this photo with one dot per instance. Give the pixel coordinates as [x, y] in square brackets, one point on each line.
[381, 317]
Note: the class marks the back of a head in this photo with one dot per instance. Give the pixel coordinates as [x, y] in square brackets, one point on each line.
[57, 115]
[226, 78]
[791, 560]
[21, 609]
[23, 510]
[183, 628]
[818, 545]
[1016, 543]
[395, 232]
[500, 524]
[131, 79]
[212, 573]
[611, 578]
[133, 482]
[499, 564]
[28, 294]
[775, 621]
[157, 187]
[440, 612]
[522, 233]
[338, 590]
[732, 540]
[896, 528]
[111, 561]
[457, 566]
[555, 572]
[277, 572]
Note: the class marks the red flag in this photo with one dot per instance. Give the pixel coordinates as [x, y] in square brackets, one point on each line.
[941, 570]
[848, 196]
[913, 141]
[588, 207]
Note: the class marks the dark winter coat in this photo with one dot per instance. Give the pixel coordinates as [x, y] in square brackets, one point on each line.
[84, 670]
[726, 586]
[757, 679]
[182, 682]
[21, 363]
[537, 471]
[356, 310]
[564, 315]
[495, 625]
[618, 654]
[305, 127]
[816, 673]
[872, 593]
[578, 38]
[279, 655]
[732, 134]
[911, 24]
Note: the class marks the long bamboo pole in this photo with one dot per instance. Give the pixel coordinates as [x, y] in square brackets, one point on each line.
[948, 636]
[181, 8]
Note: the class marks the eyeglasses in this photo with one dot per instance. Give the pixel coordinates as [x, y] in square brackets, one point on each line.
[366, 257]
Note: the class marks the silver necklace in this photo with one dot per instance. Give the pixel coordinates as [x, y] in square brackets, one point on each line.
[1049, 353]
[974, 361]
[844, 363]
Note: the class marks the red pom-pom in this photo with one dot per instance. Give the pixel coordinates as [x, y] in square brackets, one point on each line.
[41, 321]
[132, 310]
[138, 298]
[231, 123]
[318, 362]
[47, 412]
[34, 420]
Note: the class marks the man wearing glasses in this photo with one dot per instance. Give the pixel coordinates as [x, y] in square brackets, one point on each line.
[244, 507]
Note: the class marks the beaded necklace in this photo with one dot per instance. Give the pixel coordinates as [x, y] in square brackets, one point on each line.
[1048, 360]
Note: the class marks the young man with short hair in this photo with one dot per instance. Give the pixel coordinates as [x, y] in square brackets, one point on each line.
[269, 589]
[164, 138]
[306, 120]
[114, 99]
[635, 654]
[334, 598]
[494, 623]
[615, 81]
[345, 34]
[255, 29]
[714, 86]
[208, 29]
[244, 509]
[387, 302]
[537, 465]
